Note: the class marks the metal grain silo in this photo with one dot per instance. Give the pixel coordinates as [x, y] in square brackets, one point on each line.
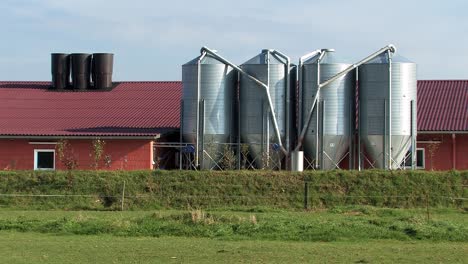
[256, 124]
[387, 98]
[332, 124]
[208, 89]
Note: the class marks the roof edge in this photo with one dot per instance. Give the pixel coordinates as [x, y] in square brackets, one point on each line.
[80, 137]
[443, 132]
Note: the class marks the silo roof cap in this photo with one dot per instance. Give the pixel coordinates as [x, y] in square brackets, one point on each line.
[262, 59]
[330, 57]
[206, 60]
[383, 58]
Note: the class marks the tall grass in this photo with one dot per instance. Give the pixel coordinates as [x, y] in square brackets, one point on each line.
[339, 224]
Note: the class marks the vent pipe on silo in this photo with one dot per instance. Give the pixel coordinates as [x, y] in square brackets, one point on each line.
[60, 67]
[305, 124]
[387, 95]
[328, 139]
[102, 68]
[81, 66]
[262, 85]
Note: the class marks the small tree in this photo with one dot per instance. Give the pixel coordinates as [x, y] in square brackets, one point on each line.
[432, 148]
[228, 161]
[107, 161]
[66, 154]
[67, 158]
[244, 150]
[97, 151]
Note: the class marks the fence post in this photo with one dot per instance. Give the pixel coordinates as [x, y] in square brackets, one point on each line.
[123, 196]
[306, 195]
[427, 207]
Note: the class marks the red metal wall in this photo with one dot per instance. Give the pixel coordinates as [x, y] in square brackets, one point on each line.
[137, 154]
[450, 153]
[124, 154]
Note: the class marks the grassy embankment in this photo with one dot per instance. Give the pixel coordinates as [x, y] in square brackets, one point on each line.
[146, 190]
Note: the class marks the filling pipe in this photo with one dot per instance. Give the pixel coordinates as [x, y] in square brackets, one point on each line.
[288, 95]
[299, 72]
[309, 115]
[267, 119]
[391, 48]
[317, 95]
[197, 138]
[264, 86]
[390, 162]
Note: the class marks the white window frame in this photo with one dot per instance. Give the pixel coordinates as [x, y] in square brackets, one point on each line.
[36, 151]
[423, 158]
[423, 161]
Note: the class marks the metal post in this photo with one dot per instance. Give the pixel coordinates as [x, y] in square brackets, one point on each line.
[306, 194]
[267, 141]
[359, 135]
[197, 139]
[413, 138]
[317, 136]
[262, 138]
[202, 141]
[181, 117]
[123, 197]
[239, 150]
[385, 136]
[322, 134]
[351, 133]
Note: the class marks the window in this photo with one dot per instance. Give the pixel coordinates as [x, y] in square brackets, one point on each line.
[44, 159]
[420, 154]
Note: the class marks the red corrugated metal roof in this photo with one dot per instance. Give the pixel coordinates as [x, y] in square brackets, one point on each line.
[150, 108]
[130, 109]
[443, 105]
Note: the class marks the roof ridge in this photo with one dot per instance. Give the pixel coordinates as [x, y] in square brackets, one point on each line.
[444, 80]
[114, 81]
[148, 81]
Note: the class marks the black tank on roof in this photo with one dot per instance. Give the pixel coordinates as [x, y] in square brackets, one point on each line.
[102, 70]
[81, 66]
[60, 67]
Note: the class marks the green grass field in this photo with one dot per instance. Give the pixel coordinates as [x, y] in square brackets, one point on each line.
[359, 234]
[17, 247]
[233, 217]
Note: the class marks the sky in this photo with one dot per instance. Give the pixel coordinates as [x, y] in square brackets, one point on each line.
[151, 39]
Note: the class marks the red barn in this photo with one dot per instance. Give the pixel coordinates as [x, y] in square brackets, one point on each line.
[134, 116]
[443, 124]
[34, 120]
